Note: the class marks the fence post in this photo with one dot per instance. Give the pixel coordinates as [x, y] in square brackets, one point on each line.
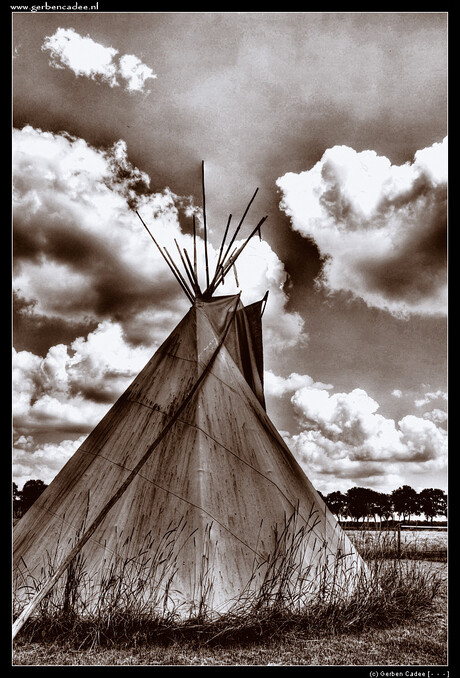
[399, 540]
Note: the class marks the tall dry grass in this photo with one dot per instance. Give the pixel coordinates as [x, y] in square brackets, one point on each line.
[129, 607]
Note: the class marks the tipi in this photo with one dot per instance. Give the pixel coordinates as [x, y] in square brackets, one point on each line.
[185, 484]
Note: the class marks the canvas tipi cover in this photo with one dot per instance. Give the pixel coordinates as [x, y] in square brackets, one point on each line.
[186, 485]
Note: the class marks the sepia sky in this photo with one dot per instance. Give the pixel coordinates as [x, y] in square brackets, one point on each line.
[340, 121]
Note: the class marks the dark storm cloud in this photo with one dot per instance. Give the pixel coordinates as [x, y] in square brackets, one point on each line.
[380, 228]
[117, 290]
[74, 258]
[420, 264]
[35, 332]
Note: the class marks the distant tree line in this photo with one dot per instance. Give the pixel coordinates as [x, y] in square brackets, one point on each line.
[355, 504]
[361, 502]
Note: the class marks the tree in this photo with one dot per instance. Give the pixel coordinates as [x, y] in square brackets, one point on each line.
[384, 506]
[406, 501]
[359, 502]
[379, 504]
[433, 502]
[337, 502]
[30, 492]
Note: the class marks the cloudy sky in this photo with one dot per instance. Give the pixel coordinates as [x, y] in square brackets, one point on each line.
[340, 121]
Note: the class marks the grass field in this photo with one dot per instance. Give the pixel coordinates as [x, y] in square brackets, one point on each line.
[419, 643]
[423, 544]
[411, 630]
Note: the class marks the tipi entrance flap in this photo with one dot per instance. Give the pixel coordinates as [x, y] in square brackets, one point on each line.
[244, 338]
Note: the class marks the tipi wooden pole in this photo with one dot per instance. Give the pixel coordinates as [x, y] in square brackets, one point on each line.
[223, 272]
[180, 276]
[232, 259]
[25, 614]
[219, 258]
[189, 276]
[195, 270]
[184, 288]
[205, 227]
[240, 224]
[235, 273]
[192, 272]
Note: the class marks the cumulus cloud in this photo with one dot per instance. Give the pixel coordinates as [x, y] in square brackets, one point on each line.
[81, 253]
[90, 59]
[280, 386]
[437, 416]
[71, 388]
[344, 440]
[429, 397]
[380, 228]
[134, 72]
